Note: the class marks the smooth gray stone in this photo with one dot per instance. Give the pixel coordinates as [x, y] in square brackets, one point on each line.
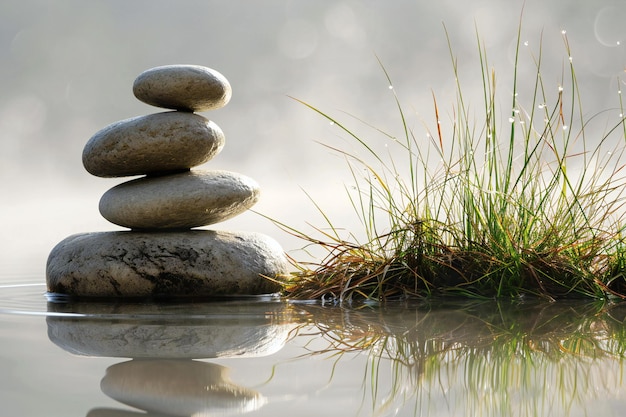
[179, 201]
[155, 143]
[196, 263]
[183, 87]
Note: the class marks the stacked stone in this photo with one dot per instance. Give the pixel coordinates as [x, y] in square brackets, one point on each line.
[161, 256]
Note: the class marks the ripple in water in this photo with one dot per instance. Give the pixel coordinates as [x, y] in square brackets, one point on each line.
[32, 299]
[23, 298]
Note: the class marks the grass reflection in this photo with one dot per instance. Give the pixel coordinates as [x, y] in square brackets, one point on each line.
[481, 358]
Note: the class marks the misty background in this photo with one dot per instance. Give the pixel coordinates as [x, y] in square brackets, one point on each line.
[67, 69]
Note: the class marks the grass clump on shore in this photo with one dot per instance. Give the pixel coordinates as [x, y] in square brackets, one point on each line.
[516, 204]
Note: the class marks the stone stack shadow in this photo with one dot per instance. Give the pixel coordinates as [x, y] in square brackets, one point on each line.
[163, 255]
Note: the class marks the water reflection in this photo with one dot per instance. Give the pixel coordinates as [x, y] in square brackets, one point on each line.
[420, 359]
[164, 339]
[488, 359]
[202, 330]
[177, 388]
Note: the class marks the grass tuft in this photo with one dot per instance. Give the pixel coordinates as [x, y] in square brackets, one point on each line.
[493, 203]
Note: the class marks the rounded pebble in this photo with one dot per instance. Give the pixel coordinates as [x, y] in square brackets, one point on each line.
[179, 201]
[183, 87]
[191, 264]
[151, 144]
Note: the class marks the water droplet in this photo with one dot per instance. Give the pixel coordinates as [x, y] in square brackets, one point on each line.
[391, 87]
[525, 43]
[619, 91]
[516, 111]
[621, 115]
[570, 59]
[609, 153]
[560, 88]
[541, 106]
[563, 32]
[522, 122]
[332, 123]
[511, 119]
[564, 127]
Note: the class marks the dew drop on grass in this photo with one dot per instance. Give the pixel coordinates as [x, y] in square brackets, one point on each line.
[391, 87]
[570, 59]
[564, 127]
[332, 123]
[619, 91]
[542, 106]
[525, 43]
[511, 119]
[560, 88]
[563, 32]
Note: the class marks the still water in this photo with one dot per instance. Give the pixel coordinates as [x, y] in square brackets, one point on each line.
[268, 357]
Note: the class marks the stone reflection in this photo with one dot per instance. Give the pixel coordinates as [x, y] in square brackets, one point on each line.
[177, 388]
[482, 358]
[169, 330]
[425, 358]
[165, 341]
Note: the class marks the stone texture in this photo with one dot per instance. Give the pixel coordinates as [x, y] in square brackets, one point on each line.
[179, 201]
[155, 143]
[197, 263]
[183, 87]
[220, 329]
[179, 388]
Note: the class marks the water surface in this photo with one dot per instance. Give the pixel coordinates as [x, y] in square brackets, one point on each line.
[270, 357]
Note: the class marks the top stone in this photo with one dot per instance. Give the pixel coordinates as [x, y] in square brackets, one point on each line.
[183, 87]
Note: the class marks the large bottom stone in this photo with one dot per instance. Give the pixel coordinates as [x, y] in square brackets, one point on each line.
[196, 263]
